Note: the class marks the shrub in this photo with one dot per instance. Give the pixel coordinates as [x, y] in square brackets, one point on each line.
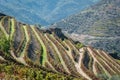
[4, 43]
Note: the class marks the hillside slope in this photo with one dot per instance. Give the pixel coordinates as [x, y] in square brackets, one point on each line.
[51, 50]
[98, 26]
[44, 12]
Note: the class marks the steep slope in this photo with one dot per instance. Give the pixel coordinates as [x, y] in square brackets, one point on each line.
[43, 12]
[98, 26]
[49, 50]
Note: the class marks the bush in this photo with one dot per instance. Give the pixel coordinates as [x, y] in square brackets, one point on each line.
[4, 43]
[115, 77]
[79, 45]
[16, 72]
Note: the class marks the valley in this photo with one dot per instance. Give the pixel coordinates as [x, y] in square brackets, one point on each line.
[49, 54]
[97, 26]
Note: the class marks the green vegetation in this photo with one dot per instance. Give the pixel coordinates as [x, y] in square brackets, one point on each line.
[79, 45]
[103, 76]
[27, 40]
[49, 55]
[17, 72]
[100, 24]
[4, 43]
[115, 77]
[12, 28]
[43, 48]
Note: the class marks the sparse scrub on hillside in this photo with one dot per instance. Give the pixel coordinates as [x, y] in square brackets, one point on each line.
[50, 56]
[79, 45]
[101, 22]
[17, 72]
[103, 76]
[115, 77]
[4, 43]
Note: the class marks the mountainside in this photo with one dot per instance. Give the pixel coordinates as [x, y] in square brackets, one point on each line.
[48, 52]
[42, 12]
[98, 26]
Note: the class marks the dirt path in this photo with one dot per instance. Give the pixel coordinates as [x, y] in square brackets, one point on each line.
[73, 46]
[117, 65]
[59, 55]
[69, 49]
[91, 52]
[78, 66]
[43, 46]
[94, 69]
[105, 62]
[4, 31]
[1, 58]
[51, 66]
[26, 43]
[20, 59]
[69, 52]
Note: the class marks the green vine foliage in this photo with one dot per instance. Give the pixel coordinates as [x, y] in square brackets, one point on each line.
[4, 43]
[19, 72]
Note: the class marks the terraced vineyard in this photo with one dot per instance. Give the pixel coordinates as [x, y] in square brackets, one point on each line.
[51, 50]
